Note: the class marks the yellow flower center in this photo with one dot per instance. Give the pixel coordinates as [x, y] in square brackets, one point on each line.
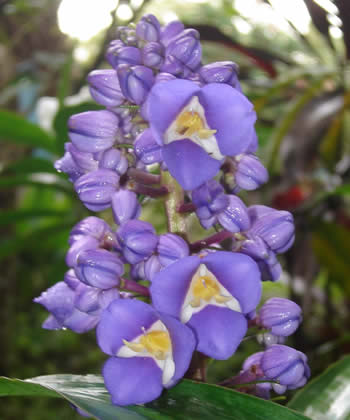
[189, 123]
[205, 288]
[157, 343]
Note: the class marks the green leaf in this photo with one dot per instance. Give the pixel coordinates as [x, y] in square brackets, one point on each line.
[30, 165]
[50, 181]
[16, 129]
[11, 216]
[327, 396]
[188, 400]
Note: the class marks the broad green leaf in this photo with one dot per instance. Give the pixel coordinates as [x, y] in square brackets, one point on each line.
[30, 165]
[16, 129]
[327, 396]
[45, 181]
[331, 244]
[188, 400]
[12, 216]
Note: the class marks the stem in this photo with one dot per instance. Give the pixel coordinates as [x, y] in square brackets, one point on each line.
[147, 190]
[133, 286]
[176, 221]
[186, 208]
[143, 176]
[217, 237]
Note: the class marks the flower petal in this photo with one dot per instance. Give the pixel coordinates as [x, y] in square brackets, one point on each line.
[219, 331]
[189, 164]
[132, 381]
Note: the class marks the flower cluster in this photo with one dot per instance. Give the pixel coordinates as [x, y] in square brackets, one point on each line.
[176, 129]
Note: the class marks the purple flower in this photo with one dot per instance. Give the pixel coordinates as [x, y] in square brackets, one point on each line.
[95, 189]
[286, 365]
[138, 240]
[170, 31]
[135, 82]
[221, 72]
[234, 217]
[248, 173]
[59, 301]
[210, 294]
[153, 55]
[68, 166]
[148, 28]
[105, 88]
[186, 49]
[118, 53]
[99, 268]
[281, 316]
[149, 351]
[125, 206]
[198, 127]
[93, 131]
[147, 149]
[113, 159]
[275, 227]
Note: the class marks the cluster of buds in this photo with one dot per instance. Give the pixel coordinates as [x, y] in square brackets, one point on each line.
[182, 131]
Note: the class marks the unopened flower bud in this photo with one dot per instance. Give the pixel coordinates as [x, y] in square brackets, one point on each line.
[105, 88]
[113, 159]
[171, 248]
[275, 227]
[138, 240]
[170, 31]
[235, 217]
[286, 365]
[186, 48]
[135, 82]
[147, 149]
[281, 316]
[95, 189]
[84, 160]
[152, 266]
[93, 300]
[164, 77]
[118, 53]
[99, 268]
[90, 227]
[93, 131]
[153, 55]
[125, 206]
[68, 166]
[221, 72]
[148, 28]
[250, 173]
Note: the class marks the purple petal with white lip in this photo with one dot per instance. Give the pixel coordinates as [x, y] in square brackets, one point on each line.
[123, 320]
[235, 217]
[164, 103]
[189, 164]
[239, 274]
[219, 331]
[183, 343]
[125, 206]
[137, 380]
[169, 287]
[95, 188]
[93, 131]
[105, 88]
[99, 268]
[231, 114]
[147, 149]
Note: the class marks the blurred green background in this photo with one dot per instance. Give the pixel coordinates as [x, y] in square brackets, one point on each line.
[294, 65]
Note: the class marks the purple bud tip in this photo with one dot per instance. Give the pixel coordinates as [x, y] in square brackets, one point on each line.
[93, 131]
[281, 316]
[135, 82]
[105, 88]
[125, 206]
[148, 28]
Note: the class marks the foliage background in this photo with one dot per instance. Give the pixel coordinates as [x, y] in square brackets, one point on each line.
[299, 83]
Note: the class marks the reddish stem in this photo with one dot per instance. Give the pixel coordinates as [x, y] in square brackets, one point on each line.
[133, 286]
[143, 177]
[186, 208]
[217, 237]
[147, 190]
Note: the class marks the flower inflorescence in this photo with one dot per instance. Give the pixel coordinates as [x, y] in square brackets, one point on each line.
[176, 129]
